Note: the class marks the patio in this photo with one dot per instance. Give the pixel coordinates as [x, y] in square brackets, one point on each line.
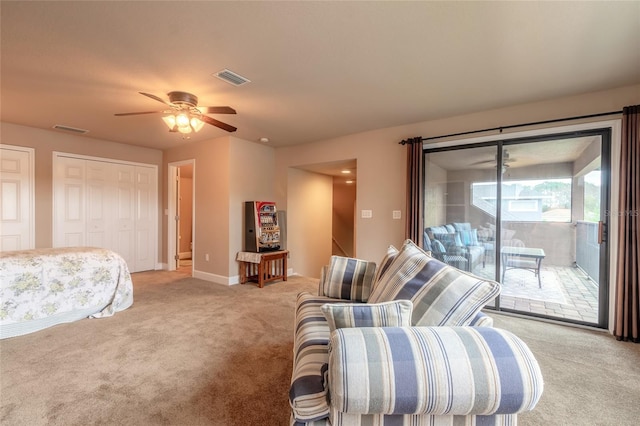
[566, 293]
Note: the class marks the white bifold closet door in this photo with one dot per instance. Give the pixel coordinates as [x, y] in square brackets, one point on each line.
[107, 204]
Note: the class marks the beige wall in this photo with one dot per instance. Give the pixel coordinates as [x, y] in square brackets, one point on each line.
[211, 211]
[45, 142]
[380, 187]
[227, 172]
[381, 161]
[309, 221]
[252, 175]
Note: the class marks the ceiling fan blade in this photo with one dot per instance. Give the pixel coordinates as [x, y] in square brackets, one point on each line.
[156, 98]
[137, 113]
[483, 162]
[217, 110]
[220, 124]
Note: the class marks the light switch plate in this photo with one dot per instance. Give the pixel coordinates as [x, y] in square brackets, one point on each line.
[397, 214]
[367, 214]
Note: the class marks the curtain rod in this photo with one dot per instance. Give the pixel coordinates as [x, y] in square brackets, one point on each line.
[512, 126]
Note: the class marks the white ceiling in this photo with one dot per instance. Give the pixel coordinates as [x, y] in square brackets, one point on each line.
[318, 69]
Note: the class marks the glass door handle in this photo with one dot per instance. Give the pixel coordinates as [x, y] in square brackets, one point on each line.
[601, 232]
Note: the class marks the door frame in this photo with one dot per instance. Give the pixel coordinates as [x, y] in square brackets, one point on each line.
[172, 190]
[605, 152]
[615, 127]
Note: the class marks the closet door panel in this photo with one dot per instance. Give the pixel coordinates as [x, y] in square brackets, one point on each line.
[69, 203]
[146, 212]
[107, 204]
[99, 205]
[124, 218]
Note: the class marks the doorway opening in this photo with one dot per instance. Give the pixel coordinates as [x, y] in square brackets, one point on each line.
[343, 218]
[181, 218]
[530, 213]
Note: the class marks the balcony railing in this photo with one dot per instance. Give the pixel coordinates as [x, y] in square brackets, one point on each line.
[588, 249]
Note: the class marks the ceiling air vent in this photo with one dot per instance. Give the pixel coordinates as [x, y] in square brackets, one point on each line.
[231, 77]
[70, 129]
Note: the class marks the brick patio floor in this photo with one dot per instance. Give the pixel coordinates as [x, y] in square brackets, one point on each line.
[566, 293]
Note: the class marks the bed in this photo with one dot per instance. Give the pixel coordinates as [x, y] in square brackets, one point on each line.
[44, 287]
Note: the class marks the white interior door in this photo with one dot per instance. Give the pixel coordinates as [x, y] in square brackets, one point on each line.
[16, 198]
[70, 227]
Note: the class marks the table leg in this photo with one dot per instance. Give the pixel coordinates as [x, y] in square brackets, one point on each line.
[243, 272]
[261, 272]
[539, 260]
[284, 271]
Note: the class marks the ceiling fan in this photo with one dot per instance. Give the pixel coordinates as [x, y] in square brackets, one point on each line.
[184, 114]
[506, 159]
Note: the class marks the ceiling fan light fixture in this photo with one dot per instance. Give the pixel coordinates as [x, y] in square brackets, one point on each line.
[182, 120]
[196, 124]
[184, 115]
[170, 121]
[184, 129]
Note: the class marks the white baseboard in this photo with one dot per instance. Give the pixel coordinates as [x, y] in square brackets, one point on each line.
[214, 278]
[220, 279]
[185, 255]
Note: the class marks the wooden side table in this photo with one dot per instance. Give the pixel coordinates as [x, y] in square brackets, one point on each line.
[263, 267]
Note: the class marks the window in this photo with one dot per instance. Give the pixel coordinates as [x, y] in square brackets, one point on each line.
[592, 196]
[546, 200]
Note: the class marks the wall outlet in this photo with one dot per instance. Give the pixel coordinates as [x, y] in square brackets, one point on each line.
[397, 214]
[206, 257]
[367, 214]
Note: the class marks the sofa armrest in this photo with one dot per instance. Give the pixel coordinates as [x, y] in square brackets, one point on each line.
[431, 370]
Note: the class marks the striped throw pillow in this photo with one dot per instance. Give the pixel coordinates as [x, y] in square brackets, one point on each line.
[441, 294]
[391, 254]
[386, 314]
[349, 279]
[432, 370]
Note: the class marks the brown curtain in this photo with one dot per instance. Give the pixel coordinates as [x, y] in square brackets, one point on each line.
[627, 315]
[415, 190]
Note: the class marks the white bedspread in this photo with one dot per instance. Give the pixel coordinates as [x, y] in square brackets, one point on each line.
[44, 287]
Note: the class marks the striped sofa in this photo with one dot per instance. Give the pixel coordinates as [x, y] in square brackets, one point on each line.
[364, 355]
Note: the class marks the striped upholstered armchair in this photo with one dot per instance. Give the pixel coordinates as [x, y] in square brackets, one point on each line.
[405, 343]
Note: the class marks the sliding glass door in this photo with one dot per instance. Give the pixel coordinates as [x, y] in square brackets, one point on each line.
[460, 208]
[528, 213]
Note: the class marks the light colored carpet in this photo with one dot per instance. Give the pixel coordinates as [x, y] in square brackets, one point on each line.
[189, 352]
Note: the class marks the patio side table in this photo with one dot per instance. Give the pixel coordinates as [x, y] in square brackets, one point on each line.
[522, 258]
